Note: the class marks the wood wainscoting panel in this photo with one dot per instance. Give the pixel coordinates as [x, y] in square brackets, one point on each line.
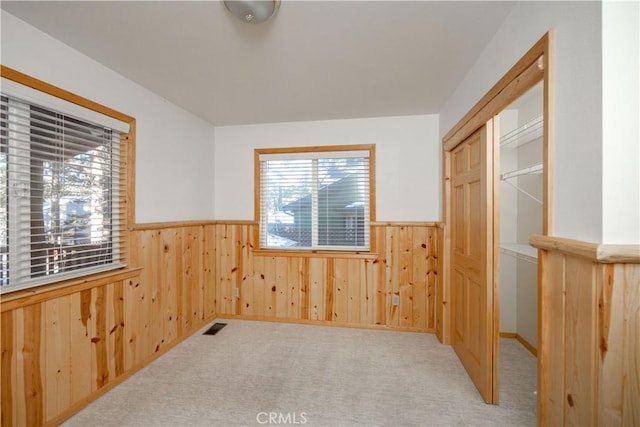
[580, 341]
[589, 346]
[57, 352]
[23, 352]
[58, 369]
[619, 346]
[137, 320]
[208, 271]
[176, 288]
[317, 282]
[630, 276]
[8, 368]
[63, 348]
[396, 288]
[79, 343]
[551, 328]
[440, 295]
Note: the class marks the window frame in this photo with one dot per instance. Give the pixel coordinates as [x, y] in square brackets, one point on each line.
[127, 173]
[314, 149]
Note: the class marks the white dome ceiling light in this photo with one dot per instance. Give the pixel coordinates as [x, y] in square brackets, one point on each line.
[252, 11]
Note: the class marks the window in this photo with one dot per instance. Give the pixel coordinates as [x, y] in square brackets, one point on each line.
[316, 198]
[62, 186]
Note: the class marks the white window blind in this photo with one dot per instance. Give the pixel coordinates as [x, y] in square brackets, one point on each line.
[61, 191]
[315, 200]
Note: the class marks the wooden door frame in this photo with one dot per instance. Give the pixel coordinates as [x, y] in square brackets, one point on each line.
[535, 66]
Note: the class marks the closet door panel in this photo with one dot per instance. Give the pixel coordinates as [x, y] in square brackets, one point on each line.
[472, 259]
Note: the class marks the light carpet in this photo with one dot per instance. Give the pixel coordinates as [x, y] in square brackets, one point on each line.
[261, 373]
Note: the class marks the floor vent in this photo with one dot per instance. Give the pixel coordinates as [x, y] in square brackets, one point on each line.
[215, 328]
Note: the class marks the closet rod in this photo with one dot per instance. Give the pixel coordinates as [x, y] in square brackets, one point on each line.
[524, 171]
[525, 133]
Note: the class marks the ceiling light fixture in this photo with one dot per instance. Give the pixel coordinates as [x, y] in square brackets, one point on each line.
[252, 12]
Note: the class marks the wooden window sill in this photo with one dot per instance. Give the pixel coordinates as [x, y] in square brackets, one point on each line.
[24, 297]
[315, 254]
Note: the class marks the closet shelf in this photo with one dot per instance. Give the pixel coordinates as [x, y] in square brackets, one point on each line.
[520, 250]
[524, 171]
[524, 134]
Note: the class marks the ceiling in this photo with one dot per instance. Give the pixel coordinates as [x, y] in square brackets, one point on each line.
[312, 61]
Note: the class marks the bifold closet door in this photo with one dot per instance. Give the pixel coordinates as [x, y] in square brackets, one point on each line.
[471, 271]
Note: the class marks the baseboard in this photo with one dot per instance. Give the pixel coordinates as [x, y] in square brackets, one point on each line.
[521, 340]
[327, 323]
[508, 334]
[527, 345]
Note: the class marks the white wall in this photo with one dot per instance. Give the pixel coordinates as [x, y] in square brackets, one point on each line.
[578, 192]
[407, 161]
[174, 149]
[621, 122]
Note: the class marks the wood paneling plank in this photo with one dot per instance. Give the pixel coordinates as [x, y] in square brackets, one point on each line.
[136, 323]
[271, 287]
[367, 299]
[99, 365]
[405, 283]
[183, 317]
[419, 276]
[551, 355]
[117, 333]
[80, 346]
[432, 275]
[628, 276]
[393, 275]
[259, 286]
[341, 290]
[169, 279]
[246, 274]
[580, 341]
[155, 277]
[380, 277]
[7, 368]
[57, 347]
[19, 377]
[198, 275]
[223, 268]
[317, 283]
[304, 290]
[294, 281]
[355, 286]
[189, 280]
[209, 270]
[610, 346]
[281, 284]
[237, 269]
[32, 352]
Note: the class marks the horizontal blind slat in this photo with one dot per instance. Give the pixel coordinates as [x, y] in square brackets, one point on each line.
[65, 183]
[332, 213]
[32, 96]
